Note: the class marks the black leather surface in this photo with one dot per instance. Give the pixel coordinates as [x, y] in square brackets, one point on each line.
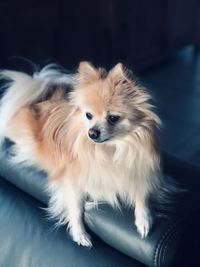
[27, 238]
[117, 228]
[30, 180]
[160, 247]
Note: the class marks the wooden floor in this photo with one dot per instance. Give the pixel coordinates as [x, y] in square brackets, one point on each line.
[176, 88]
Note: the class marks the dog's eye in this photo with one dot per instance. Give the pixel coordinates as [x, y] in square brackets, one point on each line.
[112, 119]
[89, 115]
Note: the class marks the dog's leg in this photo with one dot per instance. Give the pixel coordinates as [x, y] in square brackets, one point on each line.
[75, 222]
[66, 204]
[143, 218]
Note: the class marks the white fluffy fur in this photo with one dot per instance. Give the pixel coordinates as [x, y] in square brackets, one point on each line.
[23, 90]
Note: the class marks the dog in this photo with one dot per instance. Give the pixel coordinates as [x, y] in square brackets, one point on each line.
[95, 134]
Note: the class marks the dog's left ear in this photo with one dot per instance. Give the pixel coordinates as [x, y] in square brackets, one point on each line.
[121, 74]
[87, 72]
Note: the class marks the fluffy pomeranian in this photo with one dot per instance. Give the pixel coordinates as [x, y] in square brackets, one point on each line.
[93, 132]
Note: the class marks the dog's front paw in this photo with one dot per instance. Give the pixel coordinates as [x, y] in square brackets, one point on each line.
[143, 223]
[81, 237]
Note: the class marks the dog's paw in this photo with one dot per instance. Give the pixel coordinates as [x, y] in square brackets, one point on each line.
[143, 223]
[81, 238]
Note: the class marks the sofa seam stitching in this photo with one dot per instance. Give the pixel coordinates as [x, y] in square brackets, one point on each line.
[170, 239]
[164, 235]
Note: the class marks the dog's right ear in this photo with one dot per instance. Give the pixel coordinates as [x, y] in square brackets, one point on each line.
[87, 72]
[120, 73]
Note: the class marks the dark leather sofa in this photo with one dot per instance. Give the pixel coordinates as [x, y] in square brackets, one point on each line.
[28, 237]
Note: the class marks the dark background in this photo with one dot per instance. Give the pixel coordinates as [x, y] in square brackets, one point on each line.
[158, 39]
[137, 32]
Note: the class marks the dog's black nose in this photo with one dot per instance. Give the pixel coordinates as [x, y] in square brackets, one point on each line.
[94, 133]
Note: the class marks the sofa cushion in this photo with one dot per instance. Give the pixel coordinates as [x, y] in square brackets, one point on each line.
[29, 240]
[117, 228]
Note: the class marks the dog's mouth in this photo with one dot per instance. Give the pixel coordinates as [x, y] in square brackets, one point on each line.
[101, 141]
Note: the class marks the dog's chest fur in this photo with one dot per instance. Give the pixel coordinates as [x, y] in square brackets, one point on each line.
[109, 172]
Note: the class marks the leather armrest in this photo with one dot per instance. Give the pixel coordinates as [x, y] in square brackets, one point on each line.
[116, 227]
[158, 249]
[162, 247]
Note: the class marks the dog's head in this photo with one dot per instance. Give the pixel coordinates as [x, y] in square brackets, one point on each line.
[111, 103]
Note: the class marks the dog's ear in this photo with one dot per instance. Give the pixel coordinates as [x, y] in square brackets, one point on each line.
[117, 70]
[120, 74]
[87, 72]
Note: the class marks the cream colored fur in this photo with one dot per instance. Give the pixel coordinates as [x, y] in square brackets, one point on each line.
[53, 135]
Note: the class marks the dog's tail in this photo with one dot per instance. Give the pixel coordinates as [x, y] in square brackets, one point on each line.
[22, 90]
